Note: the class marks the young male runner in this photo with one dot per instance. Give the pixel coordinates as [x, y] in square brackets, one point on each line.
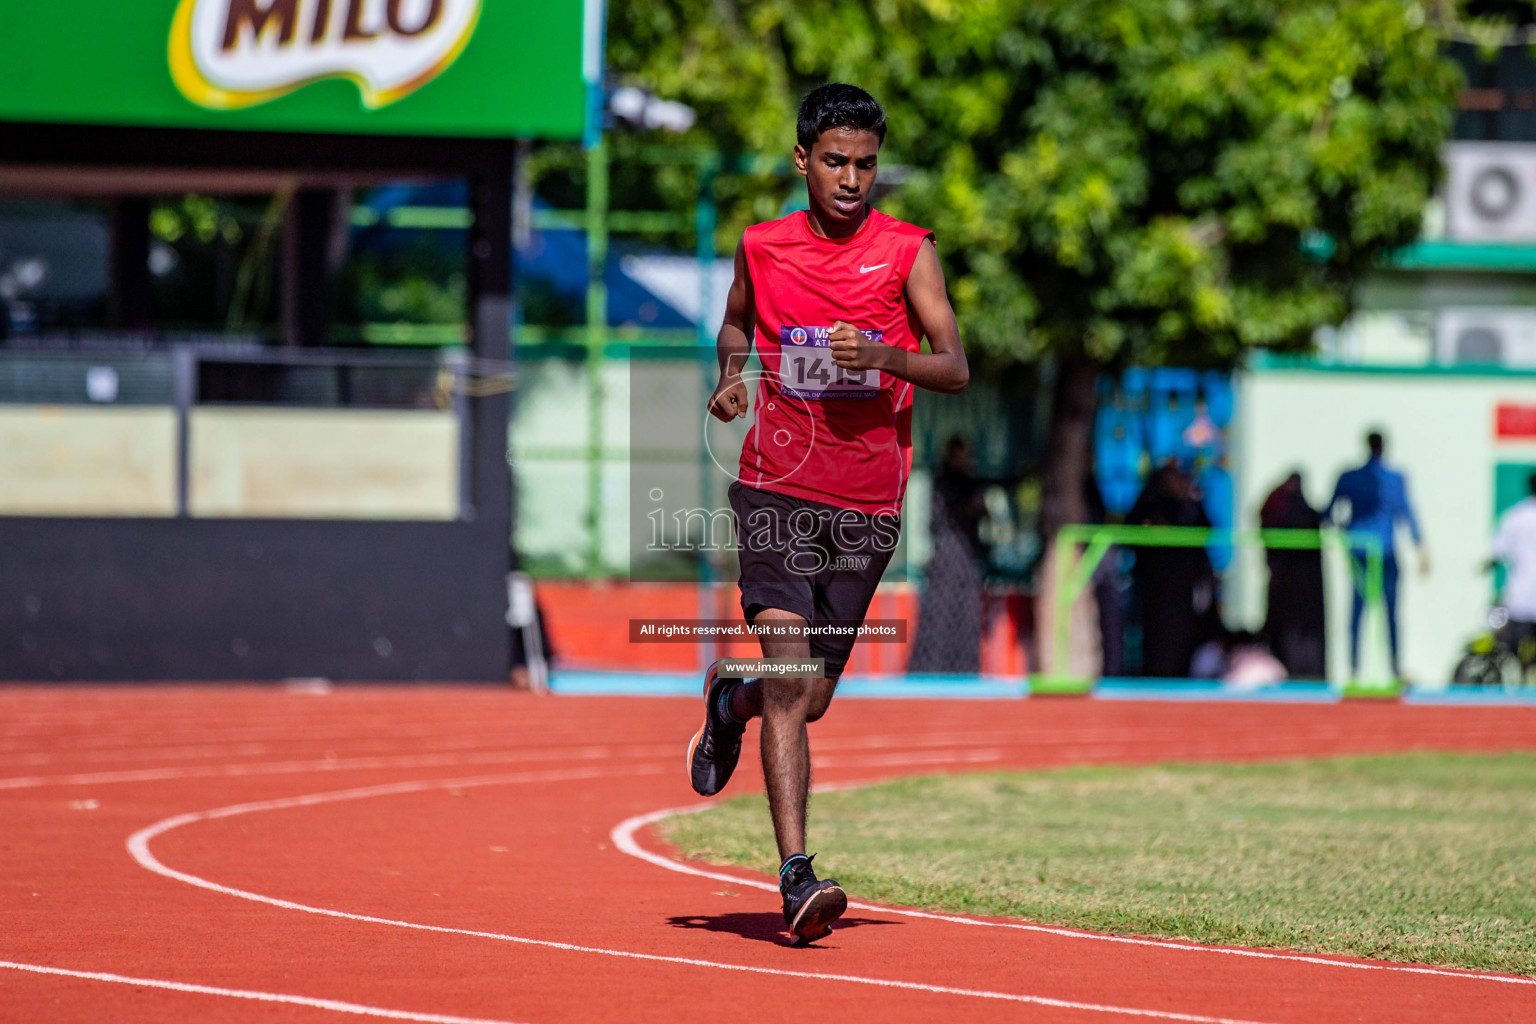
[837, 299]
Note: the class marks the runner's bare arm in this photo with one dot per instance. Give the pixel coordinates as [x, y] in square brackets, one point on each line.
[733, 345]
[943, 368]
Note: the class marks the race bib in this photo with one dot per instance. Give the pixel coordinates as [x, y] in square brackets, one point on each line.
[807, 370]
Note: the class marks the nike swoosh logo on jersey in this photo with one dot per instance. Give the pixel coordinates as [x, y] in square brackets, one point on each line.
[864, 270]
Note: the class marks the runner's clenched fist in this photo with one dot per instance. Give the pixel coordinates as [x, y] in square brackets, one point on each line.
[852, 349]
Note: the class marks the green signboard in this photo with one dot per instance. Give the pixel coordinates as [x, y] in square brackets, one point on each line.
[480, 68]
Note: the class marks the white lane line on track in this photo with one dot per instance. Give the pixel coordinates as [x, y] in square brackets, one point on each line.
[909, 760]
[472, 752]
[260, 997]
[339, 764]
[1101, 742]
[398, 743]
[623, 836]
[437, 760]
[450, 760]
[183, 753]
[1108, 745]
[488, 752]
[138, 847]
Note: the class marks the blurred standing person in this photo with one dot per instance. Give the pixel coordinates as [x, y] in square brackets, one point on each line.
[949, 621]
[1514, 545]
[1112, 595]
[1377, 500]
[1175, 585]
[1294, 622]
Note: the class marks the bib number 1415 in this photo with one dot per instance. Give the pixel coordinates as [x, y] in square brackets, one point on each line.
[812, 371]
[807, 369]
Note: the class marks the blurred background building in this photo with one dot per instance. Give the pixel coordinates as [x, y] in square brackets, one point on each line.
[255, 307]
[258, 336]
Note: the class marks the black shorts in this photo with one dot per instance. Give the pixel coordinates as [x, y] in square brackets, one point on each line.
[818, 561]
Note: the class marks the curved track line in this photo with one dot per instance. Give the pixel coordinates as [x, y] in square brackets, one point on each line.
[260, 997]
[138, 847]
[623, 836]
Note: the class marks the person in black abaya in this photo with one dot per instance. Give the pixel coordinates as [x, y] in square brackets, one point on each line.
[1294, 623]
[949, 618]
[1176, 585]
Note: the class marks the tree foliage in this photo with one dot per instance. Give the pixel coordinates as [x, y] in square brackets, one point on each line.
[1119, 181]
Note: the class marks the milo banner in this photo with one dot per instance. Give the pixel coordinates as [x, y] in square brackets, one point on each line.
[436, 67]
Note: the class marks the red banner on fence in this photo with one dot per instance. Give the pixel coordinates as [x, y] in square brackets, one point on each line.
[1515, 422]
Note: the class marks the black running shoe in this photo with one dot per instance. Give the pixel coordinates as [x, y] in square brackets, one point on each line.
[811, 904]
[715, 748]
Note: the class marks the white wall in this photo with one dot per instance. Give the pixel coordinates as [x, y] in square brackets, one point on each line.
[1440, 433]
[74, 460]
[323, 463]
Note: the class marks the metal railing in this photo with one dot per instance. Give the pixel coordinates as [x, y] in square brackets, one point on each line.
[1073, 574]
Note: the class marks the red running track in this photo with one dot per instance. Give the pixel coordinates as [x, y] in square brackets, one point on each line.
[453, 855]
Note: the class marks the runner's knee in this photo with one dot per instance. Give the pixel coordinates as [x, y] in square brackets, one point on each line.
[820, 698]
[784, 694]
[807, 697]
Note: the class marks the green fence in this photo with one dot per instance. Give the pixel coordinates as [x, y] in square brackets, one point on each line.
[1081, 548]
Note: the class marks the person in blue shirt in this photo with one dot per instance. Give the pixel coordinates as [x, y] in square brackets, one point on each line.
[1371, 501]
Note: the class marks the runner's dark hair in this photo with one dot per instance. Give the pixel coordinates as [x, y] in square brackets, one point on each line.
[838, 105]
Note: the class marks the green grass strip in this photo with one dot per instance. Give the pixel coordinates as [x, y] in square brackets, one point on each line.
[1428, 858]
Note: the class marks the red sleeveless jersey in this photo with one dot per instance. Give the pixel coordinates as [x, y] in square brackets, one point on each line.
[840, 437]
